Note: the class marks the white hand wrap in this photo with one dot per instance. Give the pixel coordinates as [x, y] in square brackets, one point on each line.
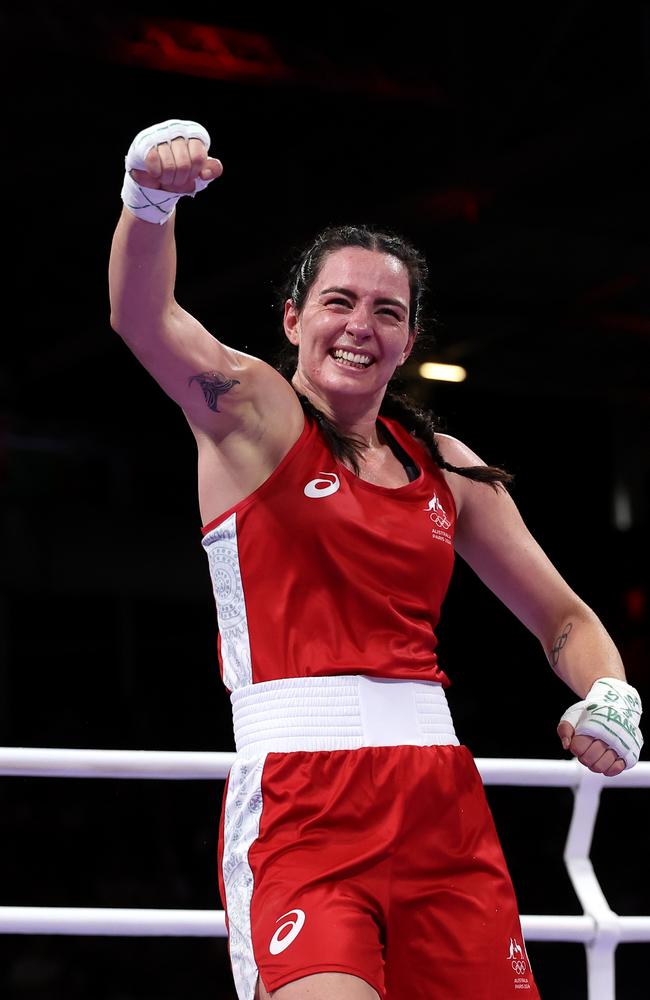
[611, 712]
[152, 204]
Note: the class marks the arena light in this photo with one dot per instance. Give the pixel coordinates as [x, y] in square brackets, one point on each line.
[442, 373]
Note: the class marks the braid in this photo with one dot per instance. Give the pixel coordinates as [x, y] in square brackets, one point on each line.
[346, 447]
[423, 424]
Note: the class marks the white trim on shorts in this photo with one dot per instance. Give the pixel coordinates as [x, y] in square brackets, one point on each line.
[242, 812]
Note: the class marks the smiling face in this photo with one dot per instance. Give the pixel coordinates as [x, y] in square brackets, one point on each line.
[353, 329]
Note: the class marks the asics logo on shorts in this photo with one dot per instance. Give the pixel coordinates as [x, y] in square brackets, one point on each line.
[317, 488]
[279, 943]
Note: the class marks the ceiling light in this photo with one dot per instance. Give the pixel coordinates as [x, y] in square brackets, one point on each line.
[442, 373]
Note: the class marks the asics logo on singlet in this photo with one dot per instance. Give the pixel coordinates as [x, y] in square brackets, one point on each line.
[317, 488]
[279, 943]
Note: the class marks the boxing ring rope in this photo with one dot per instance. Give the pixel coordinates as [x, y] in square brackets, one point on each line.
[599, 928]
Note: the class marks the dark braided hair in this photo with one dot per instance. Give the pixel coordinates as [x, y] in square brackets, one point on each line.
[422, 424]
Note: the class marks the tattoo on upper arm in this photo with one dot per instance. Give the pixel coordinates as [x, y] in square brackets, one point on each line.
[559, 644]
[213, 385]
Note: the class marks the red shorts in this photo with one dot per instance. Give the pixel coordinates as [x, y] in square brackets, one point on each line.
[380, 862]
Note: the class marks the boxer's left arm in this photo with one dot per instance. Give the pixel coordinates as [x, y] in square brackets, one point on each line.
[492, 538]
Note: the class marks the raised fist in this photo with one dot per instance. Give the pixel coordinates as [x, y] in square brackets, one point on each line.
[174, 166]
[170, 158]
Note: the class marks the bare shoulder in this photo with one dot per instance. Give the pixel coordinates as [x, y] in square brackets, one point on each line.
[456, 452]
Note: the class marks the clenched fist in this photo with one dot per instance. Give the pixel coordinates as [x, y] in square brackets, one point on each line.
[603, 730]
[170, 158]
[174, 166]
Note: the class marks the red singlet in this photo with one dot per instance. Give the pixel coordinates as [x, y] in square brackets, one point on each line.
[319, 572]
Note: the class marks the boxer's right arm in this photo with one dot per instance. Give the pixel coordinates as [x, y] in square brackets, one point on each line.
[218, 388]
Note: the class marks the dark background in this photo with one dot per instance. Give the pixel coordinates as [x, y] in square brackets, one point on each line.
[510, 144]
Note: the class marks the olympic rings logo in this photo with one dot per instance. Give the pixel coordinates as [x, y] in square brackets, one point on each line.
[519, 966]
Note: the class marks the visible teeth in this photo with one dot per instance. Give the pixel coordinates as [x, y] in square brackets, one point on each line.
[358, 359]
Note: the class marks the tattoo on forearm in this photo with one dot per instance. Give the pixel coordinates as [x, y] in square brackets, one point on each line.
[559, 644]
[213, 385]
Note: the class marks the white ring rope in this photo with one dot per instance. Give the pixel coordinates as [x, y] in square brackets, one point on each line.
[599, 928]
[189, 765]
[40, 762]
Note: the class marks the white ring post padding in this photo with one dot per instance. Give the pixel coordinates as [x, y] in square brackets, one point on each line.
[600, 951]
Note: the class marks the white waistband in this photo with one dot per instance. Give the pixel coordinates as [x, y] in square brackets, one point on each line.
[339, 713]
